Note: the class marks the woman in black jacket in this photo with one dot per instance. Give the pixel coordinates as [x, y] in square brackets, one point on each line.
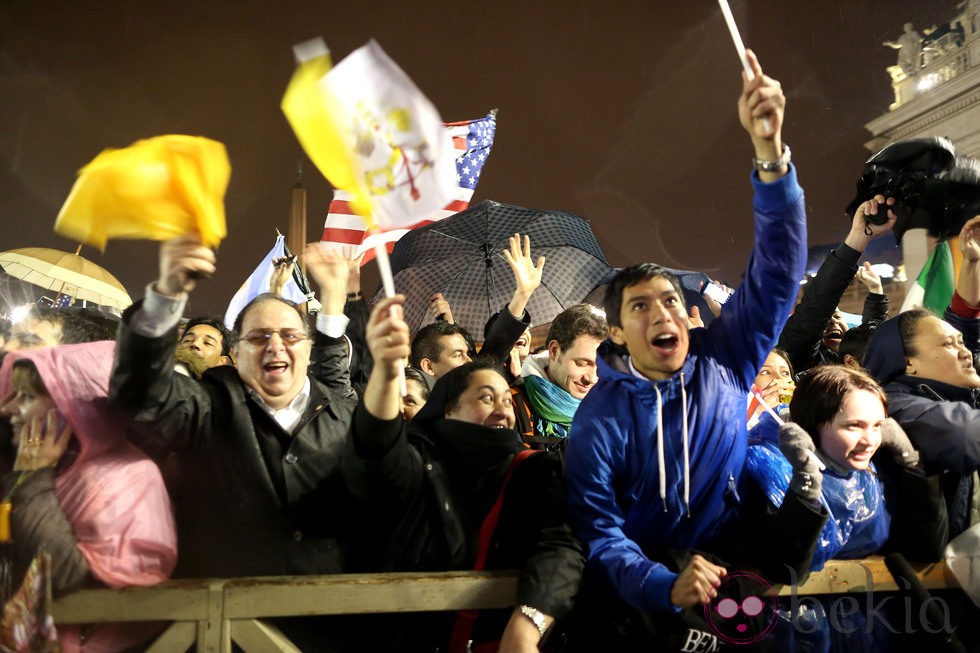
[430, 485]
[928, 368]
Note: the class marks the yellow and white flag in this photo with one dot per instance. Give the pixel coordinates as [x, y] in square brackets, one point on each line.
[372, 133]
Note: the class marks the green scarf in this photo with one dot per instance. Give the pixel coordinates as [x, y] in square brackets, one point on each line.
[553, 407]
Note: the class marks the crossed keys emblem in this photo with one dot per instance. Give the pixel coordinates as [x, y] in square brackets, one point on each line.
[405, 161]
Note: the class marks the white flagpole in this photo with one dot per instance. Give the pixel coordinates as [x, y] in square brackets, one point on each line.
[388, 283]
[726, 11]
[776, 417]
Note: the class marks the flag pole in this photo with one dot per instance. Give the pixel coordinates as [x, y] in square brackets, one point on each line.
[726, 11]
[388, 283]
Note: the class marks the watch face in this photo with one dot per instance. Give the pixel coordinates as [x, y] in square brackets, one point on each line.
[535, 616]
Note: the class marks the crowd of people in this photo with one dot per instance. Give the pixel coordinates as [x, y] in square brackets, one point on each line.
[634, 470]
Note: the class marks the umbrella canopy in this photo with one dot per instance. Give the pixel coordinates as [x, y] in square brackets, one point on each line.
[65, 273]
[462, 258]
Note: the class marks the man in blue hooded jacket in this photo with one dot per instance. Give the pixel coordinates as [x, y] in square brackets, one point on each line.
[657, 447]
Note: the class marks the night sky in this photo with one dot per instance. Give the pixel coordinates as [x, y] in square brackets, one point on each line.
[622, 112]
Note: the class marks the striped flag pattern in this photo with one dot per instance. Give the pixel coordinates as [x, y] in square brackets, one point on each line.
[472, 139]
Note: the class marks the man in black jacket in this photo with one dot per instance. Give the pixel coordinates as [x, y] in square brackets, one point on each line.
[813, 332]
[259, 446]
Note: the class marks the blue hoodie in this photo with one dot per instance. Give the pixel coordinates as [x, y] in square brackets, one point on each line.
[628, 501]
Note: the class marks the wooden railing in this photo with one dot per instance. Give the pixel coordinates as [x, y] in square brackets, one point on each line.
[210, 614]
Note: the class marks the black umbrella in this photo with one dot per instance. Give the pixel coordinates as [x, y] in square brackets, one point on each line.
[462, 258]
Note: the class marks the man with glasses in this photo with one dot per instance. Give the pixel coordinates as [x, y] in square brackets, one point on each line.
[259, 445]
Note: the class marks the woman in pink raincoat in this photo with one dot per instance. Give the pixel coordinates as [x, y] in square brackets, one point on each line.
[79, 490]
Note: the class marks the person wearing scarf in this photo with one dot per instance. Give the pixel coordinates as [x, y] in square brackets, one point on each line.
[428, 486]
[554, 381]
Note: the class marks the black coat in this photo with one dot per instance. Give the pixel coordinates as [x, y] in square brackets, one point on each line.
[801, 337]
[429, 490]
[251, 499]
[941, 420]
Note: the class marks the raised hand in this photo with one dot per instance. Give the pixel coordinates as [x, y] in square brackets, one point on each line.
[870, 279]
[42, 443]
[439, 308]
[897, 443]
[761, 105]
[354, 261]
[970, 239]
[328, 268]
[183, 260]
[388, 336]
[694, 320]
[281, 272]
[862, 229]
[527, 274]
[797, 445]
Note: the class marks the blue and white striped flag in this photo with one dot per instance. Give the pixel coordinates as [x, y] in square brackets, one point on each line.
[258, 283]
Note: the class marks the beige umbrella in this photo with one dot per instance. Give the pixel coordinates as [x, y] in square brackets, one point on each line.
[66, 274]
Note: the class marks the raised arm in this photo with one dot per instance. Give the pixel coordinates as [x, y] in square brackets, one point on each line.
[753, 317]
[760, 110]
[804, 329]
[968, 283]
[330, 363]
[384, 469]
[176, 408]
[513, 321]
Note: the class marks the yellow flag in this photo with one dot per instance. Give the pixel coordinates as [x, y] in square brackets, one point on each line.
[158, 188]
[316, 117]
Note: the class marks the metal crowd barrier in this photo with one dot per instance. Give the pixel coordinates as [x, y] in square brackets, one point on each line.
[209, 614]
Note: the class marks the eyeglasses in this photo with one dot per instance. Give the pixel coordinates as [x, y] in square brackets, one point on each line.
[260, 337]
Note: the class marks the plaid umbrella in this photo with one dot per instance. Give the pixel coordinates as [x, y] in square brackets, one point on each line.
[462, 257]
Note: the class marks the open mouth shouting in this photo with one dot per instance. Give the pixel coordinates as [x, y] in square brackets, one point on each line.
[275, 368]
[665, 344]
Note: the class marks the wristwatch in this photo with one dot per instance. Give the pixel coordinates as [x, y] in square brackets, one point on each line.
[773, 166]
[536, 617]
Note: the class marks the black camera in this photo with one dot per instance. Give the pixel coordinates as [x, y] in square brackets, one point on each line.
[933, 188]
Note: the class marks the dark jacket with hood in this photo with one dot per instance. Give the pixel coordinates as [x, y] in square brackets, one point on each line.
[942, 420]
[802, 338]
[427, 487]
[252, 499]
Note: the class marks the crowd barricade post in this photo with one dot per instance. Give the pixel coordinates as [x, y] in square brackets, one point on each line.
[207, 615]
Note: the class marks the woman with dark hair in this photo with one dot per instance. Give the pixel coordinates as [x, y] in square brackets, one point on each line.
[927, 366]
[825, 455]
[416, 393]
[432, 485]
[772, 388]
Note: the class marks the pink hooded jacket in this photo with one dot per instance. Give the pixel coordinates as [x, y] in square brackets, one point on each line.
[113, 495]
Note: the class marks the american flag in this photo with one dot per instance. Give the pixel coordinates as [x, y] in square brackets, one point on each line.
[473, 140]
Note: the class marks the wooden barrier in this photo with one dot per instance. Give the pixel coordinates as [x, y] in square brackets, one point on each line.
[213, 613]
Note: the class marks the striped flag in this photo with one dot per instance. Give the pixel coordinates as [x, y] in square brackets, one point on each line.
[934, 286]
[472, 139]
